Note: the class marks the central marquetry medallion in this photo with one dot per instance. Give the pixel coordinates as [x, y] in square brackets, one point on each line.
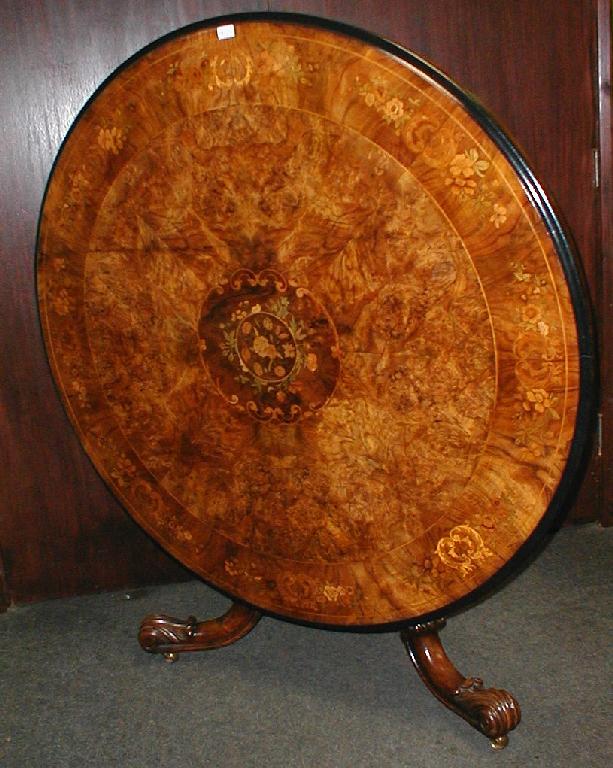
[266, 346]
[269, 346]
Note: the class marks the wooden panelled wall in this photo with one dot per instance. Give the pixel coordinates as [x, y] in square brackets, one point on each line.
[533, 64]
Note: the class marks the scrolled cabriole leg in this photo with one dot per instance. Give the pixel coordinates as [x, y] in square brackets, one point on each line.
[492, 711]
[169, 636]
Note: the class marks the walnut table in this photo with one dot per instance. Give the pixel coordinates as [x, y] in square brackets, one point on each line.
[319, 329]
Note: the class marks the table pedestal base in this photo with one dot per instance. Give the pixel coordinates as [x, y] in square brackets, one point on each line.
[492, 711]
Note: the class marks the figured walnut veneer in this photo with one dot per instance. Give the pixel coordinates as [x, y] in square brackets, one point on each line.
[307, 322]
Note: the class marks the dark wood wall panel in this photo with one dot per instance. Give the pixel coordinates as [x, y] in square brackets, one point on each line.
[531, 63]
[605, 22]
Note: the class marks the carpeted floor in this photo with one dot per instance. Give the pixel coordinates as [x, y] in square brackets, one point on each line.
[76, 690]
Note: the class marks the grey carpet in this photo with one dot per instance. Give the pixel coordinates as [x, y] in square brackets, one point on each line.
[76, 690]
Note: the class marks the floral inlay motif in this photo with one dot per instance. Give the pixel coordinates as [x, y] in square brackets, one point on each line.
[63, 303]
[537, 360]
[499, 216]
[266, 346]
[232, 71]
[462, 548]
[539, 366]
[281, 60]
[276, 63]
[338, 594]
[123, 471]
[234, 567]
[269, 346]
[540, 401]
[464, 172]
[79, 182]
[80, 391]
[111, 139]
[534, 285]
[392, 109]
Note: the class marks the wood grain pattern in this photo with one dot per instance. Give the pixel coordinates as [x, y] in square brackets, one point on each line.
[61, 531]
[244, 233]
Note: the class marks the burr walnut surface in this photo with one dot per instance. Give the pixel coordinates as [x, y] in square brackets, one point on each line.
[307, 323]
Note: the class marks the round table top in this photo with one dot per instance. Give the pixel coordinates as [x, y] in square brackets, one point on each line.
[310, 316]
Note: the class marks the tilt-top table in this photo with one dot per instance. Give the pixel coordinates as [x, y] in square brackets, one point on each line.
[319, 329]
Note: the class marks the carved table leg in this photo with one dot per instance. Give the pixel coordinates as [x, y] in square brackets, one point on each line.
[164, 634]
[493, 712]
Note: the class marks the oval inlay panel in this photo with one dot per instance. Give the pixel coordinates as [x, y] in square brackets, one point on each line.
[269, 347]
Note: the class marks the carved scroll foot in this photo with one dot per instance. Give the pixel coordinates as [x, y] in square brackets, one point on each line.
[493, 712]
[164, 634]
